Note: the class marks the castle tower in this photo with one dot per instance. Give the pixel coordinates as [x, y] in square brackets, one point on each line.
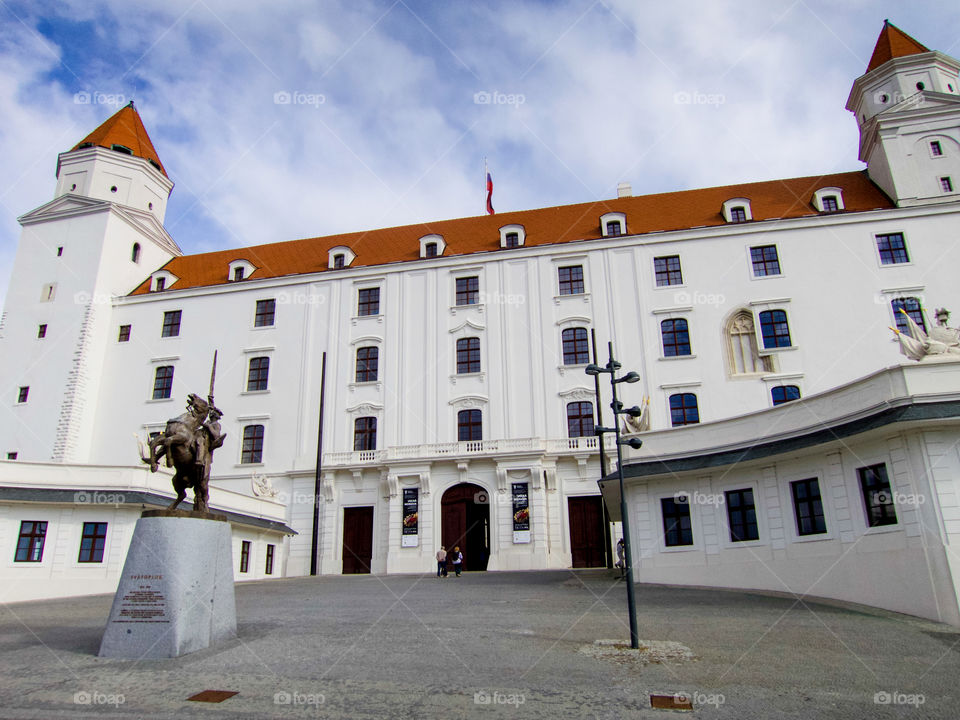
[907, 106]
[99, 237]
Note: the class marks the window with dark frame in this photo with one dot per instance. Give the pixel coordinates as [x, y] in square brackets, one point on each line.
[42, 331]
[23, 394]
[244, 556]
[469, 425]
[11, 456]
[468, 355]
[369, 301]
[576, 349]
[513, 240]
[365, 433]
[910, 306]
[765, 260]
[580, 419]
[677, 530]
[667, 270]
[265, 313]
[124, 335]
[338, 261]
[738, 214]
[808, 507]
[171, 323]
[676, 337]
[684, 409]
[784, 393]
[830, 203]
[468, 290]
[892, 249]
[614, 228]
[368, 364]
[877, 495]
[163, 382]
[268, 570]
[92, 542]
[252, 449]
[742, 515]
[33, 533]
[571, 280]
[135, 253]
[774, 329]
[431, 250]
[161, 284]
[935, 148]
[258, 374]
[946, 184]
[238, 273]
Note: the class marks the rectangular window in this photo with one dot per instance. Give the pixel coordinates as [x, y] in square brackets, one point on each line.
[892, 248]
[774, 329]
[468, 290]
[830, 203]
[259, 374]
[30, 543]
[469, 425]
[237, 274]
[49, 292]
[911, 309]
[684, 410]
[765, 260]
[946, 184]
[935, 149]
[676, 338]
[808, 507]
[677, 530]
[369, 303]
[368, 361]
[252, 451]
[244, 556]
[161, 284]
[171, 324]
[784, 393]
[576, 350]
[742, 515]
[513, 240]
[269, 568]
[667, 270]
[92, 542]
[365, 433]
[571, 280]
[266, 310]
[124, 335]
[468, 355]
[580, 419]
[11, 456]
[22, 395]
[163, 382]
[877, 497]
[42, 331]
[738, 214]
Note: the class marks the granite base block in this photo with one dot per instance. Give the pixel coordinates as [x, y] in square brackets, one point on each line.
[176, 592]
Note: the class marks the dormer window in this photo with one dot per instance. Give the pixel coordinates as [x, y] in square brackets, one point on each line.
[737, 210]
[513, 236]
[161, 280]
[121, 149]
[240, 270]
[828, 199]
[340, 257]
[432, 246]
[613, 224]
[161, 284]
[84, 145]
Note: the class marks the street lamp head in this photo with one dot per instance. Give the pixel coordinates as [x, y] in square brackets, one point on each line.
[635, 411]
[593, 369]
[630, 377]
[635, 443]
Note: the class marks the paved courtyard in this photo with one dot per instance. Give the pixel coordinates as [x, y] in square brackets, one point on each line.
[489, 645]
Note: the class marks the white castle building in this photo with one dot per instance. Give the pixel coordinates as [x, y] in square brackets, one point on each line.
[389, 391]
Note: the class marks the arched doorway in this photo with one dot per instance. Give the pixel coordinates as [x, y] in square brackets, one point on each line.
[465, 521]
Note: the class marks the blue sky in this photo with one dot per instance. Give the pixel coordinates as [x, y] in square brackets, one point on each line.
[387, 123]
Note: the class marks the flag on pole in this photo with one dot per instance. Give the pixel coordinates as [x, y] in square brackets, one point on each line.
[490, 210]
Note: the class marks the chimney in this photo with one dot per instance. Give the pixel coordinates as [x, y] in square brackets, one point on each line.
[624, 190]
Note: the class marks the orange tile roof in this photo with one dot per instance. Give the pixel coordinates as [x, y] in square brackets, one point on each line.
[564, 224]
[893, 43]
[125, 128]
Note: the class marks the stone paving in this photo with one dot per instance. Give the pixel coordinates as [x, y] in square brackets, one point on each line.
[491, 645]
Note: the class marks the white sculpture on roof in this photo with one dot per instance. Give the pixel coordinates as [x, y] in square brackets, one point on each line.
[940, 340]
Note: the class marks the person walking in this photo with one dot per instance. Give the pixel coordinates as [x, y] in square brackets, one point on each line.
[442, 562]
[620, 562]
[457, 560]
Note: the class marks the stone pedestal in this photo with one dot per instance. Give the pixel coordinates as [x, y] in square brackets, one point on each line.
[176, 592]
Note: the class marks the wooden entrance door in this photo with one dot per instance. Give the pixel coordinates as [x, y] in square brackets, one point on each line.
[466, 522]
[586, 531]
[357, 539]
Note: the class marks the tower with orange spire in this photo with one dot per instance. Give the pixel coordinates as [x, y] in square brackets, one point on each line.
[907, 105]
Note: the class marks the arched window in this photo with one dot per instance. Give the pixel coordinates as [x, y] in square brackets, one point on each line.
[784, 393]
[774, 329]
[469, 425]
[468, 355]
[579, 419]
[135, 253]
[252, 451]
[368, 359]
[676, 338]
[743, 354]
[576, 350]
[259, 373]
[684, 410]
[163, 382]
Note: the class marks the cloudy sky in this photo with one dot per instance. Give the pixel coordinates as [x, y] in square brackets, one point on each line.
[287, 119]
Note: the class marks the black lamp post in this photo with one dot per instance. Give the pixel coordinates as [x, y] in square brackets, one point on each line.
[618, 410]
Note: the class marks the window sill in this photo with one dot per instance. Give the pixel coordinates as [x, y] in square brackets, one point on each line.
[769, 351]
[255, 392]
[247, 465]
[160, 400]
[884, 529]
[766, 277]
[679, 548]
[264, 327]
[479, 307]
[578, 368]
[370, 383]
[360, 318]
[674, 286]
[481, 376]
[818, 537]
[585, 296]
[676, 357]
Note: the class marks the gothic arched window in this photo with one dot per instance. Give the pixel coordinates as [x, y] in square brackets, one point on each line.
[743, 354]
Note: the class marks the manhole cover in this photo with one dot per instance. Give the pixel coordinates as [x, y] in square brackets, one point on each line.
[671, 702]
[213, 696]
